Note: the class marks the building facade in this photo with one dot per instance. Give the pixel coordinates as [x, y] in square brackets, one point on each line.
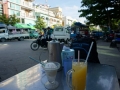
[1, 7]
[68, 21]
[48, 14]
[28, 12]
[23, 9]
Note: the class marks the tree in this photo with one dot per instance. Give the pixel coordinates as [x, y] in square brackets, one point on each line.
[11, 20]
[101, 12]
[57, 25]
[73, 23]
[4, 19]
[93, 28]
[39, 23]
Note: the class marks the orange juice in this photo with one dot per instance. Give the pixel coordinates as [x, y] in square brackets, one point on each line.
[79, 75]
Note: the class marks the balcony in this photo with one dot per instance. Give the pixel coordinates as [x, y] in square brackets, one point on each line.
[27, 16]
[27, 5]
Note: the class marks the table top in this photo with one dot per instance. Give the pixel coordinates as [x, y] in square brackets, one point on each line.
[99, 77]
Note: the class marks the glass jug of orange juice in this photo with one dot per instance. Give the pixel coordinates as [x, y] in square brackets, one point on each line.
[78, 72]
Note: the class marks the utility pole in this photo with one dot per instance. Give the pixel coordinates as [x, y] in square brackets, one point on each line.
[48, 12]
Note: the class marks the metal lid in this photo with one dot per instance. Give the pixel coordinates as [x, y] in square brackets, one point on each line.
[54, 41]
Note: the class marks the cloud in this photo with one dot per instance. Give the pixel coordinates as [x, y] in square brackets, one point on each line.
[72, 11]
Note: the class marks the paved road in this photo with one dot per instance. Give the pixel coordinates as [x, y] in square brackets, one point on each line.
[110, 56]
[14, 57]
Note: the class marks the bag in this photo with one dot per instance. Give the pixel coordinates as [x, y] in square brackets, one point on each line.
[83, 44]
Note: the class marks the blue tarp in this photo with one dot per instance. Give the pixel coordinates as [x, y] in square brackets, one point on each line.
[79, 24]
[3, 25]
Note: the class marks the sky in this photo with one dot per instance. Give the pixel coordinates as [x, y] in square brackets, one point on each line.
[69, 7]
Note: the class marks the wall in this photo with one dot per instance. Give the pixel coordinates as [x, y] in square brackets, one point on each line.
[68, 21]
[28, 21]
[5, 8]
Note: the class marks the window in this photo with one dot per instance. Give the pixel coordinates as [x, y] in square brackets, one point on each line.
[12, 6]
[17, 13]
[12, 12]
[12, 0]
[59, 29]
[1, 6]
[1, 11]
[23, 20]
[18, 1]
[17, 7]
[38, 17]
[47, 18]
[2, 31]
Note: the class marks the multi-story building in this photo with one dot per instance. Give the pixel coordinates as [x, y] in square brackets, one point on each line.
[23, 9]
[27, 12]
[1, 7]
[50, 15]
[68, 21]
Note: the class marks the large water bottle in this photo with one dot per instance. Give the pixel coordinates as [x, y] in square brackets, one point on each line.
[67, 56]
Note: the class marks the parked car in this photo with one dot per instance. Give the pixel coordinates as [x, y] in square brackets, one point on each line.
[116, 40]
[109, 36]
[97, 34]
[33, 34]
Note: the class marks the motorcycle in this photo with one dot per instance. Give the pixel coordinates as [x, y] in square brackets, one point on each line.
[39, 42]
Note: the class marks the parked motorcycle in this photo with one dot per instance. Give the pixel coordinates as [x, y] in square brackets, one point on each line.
[39, 42]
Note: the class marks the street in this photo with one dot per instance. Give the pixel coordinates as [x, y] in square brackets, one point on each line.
[14, 56]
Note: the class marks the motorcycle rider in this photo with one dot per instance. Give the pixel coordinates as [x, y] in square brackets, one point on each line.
[43, 39]
[49, 32]
[45, 36]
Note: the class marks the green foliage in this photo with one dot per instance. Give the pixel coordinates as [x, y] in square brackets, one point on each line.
[12, 19]
[92, 28]
[56, 25]
[101, 12]
[4, 19]
[39, 23]
[73, 23]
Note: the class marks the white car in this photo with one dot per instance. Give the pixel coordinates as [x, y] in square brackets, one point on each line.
[61, 34]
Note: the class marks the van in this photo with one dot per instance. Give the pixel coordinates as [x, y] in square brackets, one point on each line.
[61, 34]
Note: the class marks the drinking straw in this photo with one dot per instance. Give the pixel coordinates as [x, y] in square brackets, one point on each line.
[36, 60]
[78, 56]
[89, 52]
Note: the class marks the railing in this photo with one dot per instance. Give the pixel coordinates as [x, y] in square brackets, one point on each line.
[27, 4]
[27, 16]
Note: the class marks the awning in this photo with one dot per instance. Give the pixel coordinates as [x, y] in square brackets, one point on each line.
[11, 27]
[31, 27]
[80, 24]
[20, 25]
